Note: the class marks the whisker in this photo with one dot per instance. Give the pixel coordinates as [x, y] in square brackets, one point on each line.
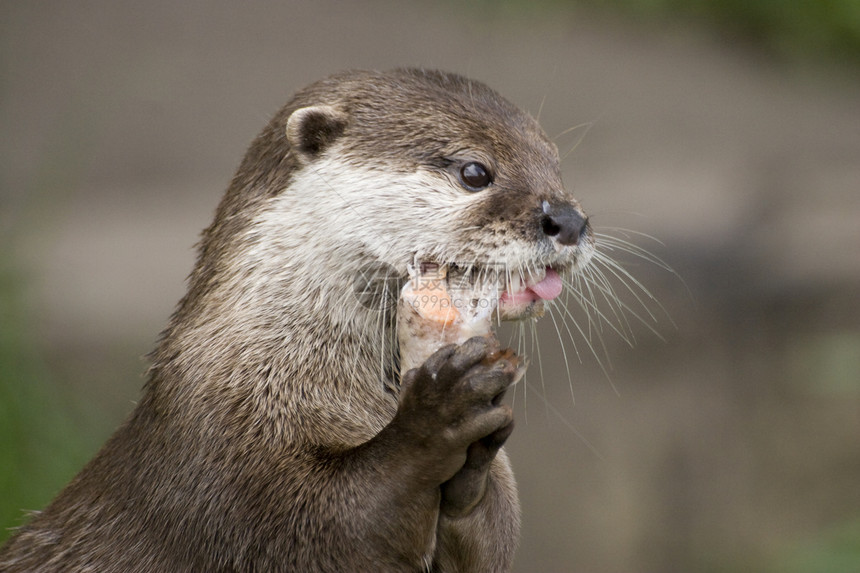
[540, 108]
[564, 312]
[563, 354]
[586, 124]
[629, 310]
[595, 280]
[623, 275]
[392, 332]
[628, 233]
[570, 426]
[576, 290]
[590, 344]
[615, 303]
[536, 352]
[610, 242]
[626, 279]
[525, 384]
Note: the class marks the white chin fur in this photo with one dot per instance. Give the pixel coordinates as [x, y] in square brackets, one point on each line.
[371, 215]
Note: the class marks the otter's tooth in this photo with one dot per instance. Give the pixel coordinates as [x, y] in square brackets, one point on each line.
[515, 282]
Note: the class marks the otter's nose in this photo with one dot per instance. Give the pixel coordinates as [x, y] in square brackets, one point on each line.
[563, 223]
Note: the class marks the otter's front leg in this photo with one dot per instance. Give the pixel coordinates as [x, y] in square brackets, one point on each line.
[467, 487]
[451, 402]
[479, 522]
[486, 538]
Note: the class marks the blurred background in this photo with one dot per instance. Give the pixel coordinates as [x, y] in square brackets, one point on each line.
[729, 440]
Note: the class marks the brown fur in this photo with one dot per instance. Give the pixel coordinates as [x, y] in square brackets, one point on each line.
[265, 439]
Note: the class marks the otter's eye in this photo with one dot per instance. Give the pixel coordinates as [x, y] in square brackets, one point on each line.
[474, 176]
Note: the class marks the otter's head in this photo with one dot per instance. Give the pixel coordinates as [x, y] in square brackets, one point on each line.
[416, 165]
[394, 168]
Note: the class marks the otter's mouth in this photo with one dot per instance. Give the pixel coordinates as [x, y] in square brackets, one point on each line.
[524, 297]
[546, 285]
[513, 294]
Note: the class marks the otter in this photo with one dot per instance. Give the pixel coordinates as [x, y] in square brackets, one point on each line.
[275, 431]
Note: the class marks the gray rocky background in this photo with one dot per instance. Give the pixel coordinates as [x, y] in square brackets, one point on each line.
[731, 442]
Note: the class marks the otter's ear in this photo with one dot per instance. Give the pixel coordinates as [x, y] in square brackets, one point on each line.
[311, 129]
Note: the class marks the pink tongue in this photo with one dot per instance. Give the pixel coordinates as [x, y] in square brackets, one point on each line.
[550, 287]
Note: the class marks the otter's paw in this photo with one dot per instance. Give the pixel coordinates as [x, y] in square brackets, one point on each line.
[452, 404]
